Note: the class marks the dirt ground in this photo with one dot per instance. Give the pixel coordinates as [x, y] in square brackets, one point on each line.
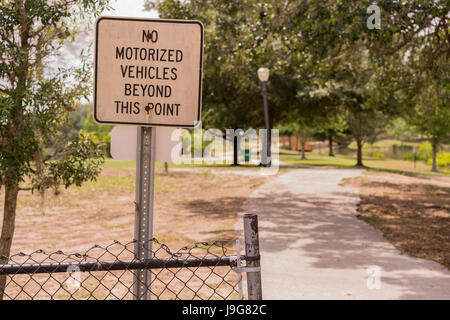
[191, 205]
[413, 212]
[201, 204]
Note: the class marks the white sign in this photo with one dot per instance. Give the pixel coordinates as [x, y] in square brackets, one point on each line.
[167, 143]
[148, 71]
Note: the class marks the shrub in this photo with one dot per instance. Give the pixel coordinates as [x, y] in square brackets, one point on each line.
[401, 148]
[100, 132]
[419, 156]
[442, 159]
[424, 152]
[408, 157]
[378, 155]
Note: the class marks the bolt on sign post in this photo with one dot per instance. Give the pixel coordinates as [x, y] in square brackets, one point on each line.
[148, 73]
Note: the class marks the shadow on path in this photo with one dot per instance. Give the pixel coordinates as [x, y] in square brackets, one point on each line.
[313, 246]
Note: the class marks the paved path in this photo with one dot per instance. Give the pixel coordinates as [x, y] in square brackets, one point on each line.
[313, 246]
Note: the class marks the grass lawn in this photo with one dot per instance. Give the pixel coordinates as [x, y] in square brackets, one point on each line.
[111, 163]
[314, 158]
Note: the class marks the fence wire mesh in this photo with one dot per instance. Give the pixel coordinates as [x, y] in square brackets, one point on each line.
[203, 271]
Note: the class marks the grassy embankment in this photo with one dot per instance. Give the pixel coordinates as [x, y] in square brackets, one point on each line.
[377, 156]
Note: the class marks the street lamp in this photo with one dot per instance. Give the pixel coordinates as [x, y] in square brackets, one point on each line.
[263, 75]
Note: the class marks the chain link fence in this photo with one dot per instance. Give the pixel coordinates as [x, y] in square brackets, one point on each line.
[203, 271]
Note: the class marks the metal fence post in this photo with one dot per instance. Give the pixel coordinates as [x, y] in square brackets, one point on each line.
[252, 256]
[145, 167]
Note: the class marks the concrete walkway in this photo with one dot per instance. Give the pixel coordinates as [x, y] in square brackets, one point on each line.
[314, 247]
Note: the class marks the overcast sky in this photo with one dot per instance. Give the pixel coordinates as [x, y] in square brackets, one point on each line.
[70, 54]
[130, 8]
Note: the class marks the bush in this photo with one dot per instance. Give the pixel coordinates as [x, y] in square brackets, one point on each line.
[401, 148]
[442, 159]
[424, 152]
[100, 132]
[419, 156]
[378, 155]
[408, 157]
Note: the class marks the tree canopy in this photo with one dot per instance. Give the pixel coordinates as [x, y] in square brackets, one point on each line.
[324, 58]
[36, 98]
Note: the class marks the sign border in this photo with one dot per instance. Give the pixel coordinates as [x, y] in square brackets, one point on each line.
[99, 19]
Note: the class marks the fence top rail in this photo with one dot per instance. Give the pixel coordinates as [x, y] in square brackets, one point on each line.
[111, 257]
[36, 268]
[204, 271]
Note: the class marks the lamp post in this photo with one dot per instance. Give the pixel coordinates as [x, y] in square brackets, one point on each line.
[263, 75]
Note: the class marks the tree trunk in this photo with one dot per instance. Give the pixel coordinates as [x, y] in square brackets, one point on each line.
[235, 151]
[434, 163]
[330, 146]
[359, 162]
[303, 149]
[9, 217]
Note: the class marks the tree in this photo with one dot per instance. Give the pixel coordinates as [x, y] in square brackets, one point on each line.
[35, 102]
[365, 124]
[402, 130]
[305, 131]
[422, 76]
[331, 128]
[414, 62]
[297, 128]
[366, 107]
[101, 132]
[431, 115]
[76, 120]
[364, 68]
[240, 37]
[309, 46]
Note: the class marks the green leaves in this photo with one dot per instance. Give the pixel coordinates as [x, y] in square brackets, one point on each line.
[36, 100]
[81, 161]
[324, 60]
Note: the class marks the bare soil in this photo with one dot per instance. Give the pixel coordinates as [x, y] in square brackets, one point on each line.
[413, 212]
[191, 205]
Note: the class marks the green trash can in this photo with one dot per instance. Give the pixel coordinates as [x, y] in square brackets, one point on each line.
[247, 155]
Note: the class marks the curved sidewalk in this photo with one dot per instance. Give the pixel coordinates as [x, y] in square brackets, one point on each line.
[314, 247]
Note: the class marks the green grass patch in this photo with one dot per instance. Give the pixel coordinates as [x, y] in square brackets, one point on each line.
[368, 219]
[112, 163]
[314, 159]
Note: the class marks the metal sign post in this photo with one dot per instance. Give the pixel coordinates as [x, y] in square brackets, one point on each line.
[148, 72]
[143, 222]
